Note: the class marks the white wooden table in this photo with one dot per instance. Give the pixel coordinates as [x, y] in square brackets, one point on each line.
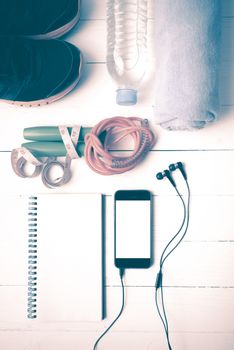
[199, 278]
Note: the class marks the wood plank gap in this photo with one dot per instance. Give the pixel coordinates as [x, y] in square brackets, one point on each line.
[169, 286]
[166, 150]
[150, 19]
[13, 285]
[83, 331]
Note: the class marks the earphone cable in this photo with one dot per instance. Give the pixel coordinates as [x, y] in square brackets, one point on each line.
[159, 280]
[186, 225]
[162, 258]
[163, 316]
[121, 273]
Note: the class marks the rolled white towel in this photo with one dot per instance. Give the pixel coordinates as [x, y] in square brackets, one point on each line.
[187, 48]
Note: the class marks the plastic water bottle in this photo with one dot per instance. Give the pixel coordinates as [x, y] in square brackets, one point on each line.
[127, 46]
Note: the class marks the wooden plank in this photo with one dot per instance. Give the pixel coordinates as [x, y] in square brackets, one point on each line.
[94, 50]
[123, 340]
[219, 135]
[209, 173]
[210, 218]
[200, 260]
[87, 36]
[207, 250]
[200, 317]
[192, 264]
[197, 310]
[114, 340]
[83, 107]
[97, 9]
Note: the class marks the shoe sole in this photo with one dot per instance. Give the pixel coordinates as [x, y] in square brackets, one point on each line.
[53, 98]
[60, 31]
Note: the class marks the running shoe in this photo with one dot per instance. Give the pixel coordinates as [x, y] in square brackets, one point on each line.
[38, 19]
[37, 72]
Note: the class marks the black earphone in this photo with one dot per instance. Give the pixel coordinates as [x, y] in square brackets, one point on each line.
[167, 173]
[170, 247]
[179, 165]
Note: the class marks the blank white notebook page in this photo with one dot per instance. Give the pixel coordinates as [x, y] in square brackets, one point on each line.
[69, 263]
[13, 240]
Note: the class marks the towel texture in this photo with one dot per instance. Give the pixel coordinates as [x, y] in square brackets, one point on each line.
[187, 44]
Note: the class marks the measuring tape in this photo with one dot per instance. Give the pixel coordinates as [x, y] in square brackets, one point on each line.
[96, 153]
[20, 156]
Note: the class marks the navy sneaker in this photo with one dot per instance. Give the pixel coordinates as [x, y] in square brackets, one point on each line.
[38, 19]
[37, 72]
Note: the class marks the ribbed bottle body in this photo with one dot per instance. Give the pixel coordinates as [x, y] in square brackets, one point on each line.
[127, 46]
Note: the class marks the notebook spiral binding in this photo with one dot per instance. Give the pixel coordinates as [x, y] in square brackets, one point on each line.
[32, 257]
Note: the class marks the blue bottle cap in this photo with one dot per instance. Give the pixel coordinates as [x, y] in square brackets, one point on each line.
[126, 97]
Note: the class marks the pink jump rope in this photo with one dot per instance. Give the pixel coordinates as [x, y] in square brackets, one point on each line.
[98, 155]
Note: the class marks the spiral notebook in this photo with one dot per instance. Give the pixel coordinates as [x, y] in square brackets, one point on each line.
[51, 250]
[65, 257]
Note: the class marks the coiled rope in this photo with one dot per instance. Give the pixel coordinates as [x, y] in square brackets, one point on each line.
[98, 155]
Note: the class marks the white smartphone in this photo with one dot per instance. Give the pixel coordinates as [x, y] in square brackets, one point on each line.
[133, 228]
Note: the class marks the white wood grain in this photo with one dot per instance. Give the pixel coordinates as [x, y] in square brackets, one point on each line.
[190, 265]
[138, 341]
[219, 135]
[209, 173]
[210, 218]
[97, 9]
[204, 251]
[94, 99]
[86, 35]
[203, 310]
[199, 290]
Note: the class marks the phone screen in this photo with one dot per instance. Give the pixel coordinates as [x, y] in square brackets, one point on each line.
[133, 229]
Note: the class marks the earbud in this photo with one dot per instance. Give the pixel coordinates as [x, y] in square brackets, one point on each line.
[179, 165]
[166, 173]
[172, 167]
